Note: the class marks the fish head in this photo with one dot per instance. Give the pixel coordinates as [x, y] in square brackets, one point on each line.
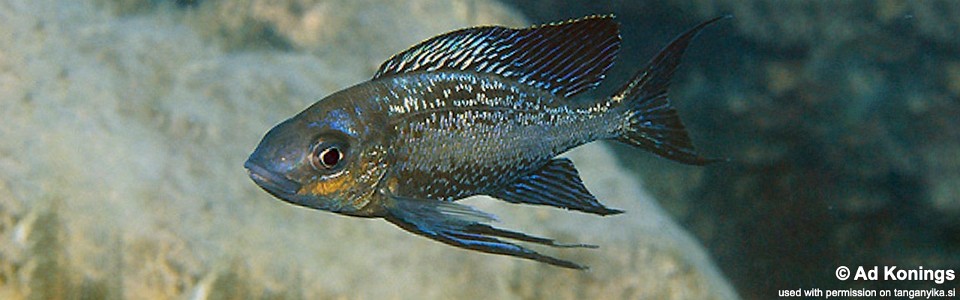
[328, 157]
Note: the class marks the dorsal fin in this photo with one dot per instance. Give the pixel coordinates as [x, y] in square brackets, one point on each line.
[564, 58]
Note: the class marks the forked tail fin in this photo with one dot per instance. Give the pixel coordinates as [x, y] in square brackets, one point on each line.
[650, 121]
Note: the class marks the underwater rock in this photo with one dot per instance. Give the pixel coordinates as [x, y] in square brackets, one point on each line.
[126, 127]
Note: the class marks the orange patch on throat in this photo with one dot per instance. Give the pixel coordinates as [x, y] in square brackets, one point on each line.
[326, 187]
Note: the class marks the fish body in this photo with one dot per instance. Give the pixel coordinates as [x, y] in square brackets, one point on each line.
[475, 133]
[479, 111]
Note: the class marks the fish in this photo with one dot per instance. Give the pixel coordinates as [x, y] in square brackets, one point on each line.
[477, 111]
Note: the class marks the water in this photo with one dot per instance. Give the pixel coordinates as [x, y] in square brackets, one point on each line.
[126, 124]
[839, 119]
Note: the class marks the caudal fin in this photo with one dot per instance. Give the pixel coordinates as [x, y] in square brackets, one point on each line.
[650, 121]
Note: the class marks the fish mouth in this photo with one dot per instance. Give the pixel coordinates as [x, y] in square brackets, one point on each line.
[275, 184]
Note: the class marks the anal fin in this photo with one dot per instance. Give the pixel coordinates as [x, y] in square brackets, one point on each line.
[461, 226]
[555, 184]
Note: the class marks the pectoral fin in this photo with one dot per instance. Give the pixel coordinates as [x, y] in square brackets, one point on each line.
[462, 226]
[556, 184]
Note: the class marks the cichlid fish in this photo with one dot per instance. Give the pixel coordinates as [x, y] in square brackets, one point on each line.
[478, 111]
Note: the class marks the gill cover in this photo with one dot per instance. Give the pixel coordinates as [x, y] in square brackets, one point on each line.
[318, 159]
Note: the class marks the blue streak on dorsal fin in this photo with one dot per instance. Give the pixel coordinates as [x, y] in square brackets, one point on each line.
[462, 226]
[555, 184]
[564, 58]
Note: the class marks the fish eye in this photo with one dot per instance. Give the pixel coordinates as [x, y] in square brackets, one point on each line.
[327, 156]
[330, 157]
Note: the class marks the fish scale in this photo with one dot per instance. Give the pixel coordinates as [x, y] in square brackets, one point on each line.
[499, 117]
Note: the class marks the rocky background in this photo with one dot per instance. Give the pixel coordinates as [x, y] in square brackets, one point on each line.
[126, 122]
[840, 119]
